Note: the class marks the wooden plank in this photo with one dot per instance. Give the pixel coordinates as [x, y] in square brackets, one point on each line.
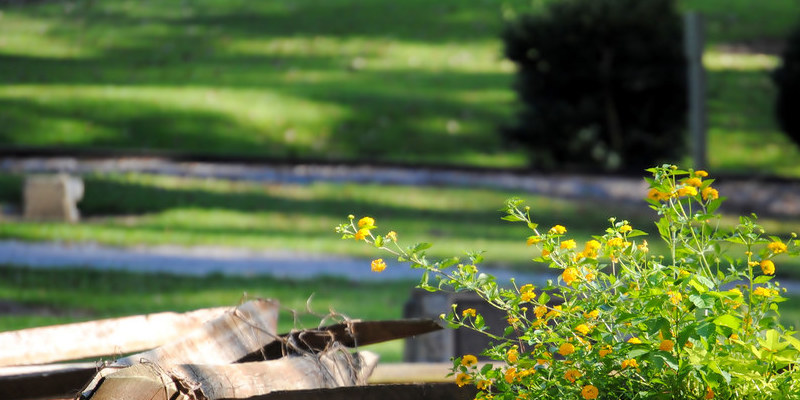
[351, 334]
[223, 340]
[98, 338]
[427, 391]
[333, 368]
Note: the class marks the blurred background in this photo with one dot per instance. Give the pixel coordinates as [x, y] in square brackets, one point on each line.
[544, 89]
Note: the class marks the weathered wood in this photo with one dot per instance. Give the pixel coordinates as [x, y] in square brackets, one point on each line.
[351, 334]
[106, 337]
[333, 368]
[223, 340]
[428, 391]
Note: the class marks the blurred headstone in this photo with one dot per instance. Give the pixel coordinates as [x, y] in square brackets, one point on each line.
[440, 346]
[52, 197]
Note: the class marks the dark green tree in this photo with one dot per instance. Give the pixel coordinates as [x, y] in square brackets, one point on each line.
[602, 84]
[787, 80]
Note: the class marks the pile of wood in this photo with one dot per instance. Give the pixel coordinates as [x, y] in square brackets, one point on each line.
[207, 354]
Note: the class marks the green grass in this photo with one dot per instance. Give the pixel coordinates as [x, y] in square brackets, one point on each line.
[414, 81]
[74, 295]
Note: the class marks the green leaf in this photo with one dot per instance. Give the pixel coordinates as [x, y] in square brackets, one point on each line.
[544, 298]
[448, 262]
[698, 301]
[762, 279]
[512, 218]
[637, 353]
[420, 246]
[705, 281]
[532, 225]
[728, 320]
[379, 241]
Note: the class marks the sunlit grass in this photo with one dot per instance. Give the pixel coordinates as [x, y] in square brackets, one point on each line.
[342, 80]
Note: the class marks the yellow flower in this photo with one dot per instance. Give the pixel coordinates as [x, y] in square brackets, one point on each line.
[694, 181]
[592, 314]
[709, 393]
[768, 267]
[657, 195]
[545, 253]
[366, 222]
[634, 340]
[378, 265]
[777, 247]
[764, 292]
[558, 229]
[583, 329]
[566, 349]
[392, 235]
[512, 355]
[540, 311]
[701, 173]
[589, 392]
[735, 291]
[630, 363]
[483, 384]
[616, 242]
[569, 275]
[710, 193]
[606, 350]
[568, 244]
[572, 375]
[687, 191]
[590, 251]
[469, 360]
[362, 234]
[533, 240]
[625, 228]
[556, 311]
[643, 247]
[733, 337]
[512, 320]
[462, 379]
[527, 296]
[666, 345]
[469, 312]
[674, 297]
[510, 375]
[589, 276]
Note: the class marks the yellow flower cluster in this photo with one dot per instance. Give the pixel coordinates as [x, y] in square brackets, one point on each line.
[764, 292]
[767, 267]
[378, 265]
[526, 293]
[469, 312]
[630, 363]
[688, 187]
[364, 226]
[777, 247]
[589, 392]
[469, 360]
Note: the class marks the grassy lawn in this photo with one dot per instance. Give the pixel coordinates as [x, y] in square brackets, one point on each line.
[414, 81]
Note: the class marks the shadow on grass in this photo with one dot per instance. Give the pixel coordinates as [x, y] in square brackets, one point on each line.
[397, 112]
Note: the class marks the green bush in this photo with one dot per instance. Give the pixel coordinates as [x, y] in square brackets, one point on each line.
[602, 83]
[787, 80]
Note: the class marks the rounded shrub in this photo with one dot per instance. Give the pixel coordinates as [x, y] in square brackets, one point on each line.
[787, 80]
[602, 83]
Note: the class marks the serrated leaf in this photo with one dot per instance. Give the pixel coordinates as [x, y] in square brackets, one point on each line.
[705, 281]
[698, 301]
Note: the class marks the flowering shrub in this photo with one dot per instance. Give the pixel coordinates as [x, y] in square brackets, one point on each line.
[699, 322]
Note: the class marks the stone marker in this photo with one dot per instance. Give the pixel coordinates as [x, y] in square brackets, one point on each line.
[52, 197]
[440, 346]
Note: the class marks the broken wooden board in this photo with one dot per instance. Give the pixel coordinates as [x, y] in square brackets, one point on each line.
[223, 340]
[333, 368]
[351, 334]
[100, 338]
[427, 391]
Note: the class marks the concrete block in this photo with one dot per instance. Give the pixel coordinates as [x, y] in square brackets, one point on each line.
[52, 197]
